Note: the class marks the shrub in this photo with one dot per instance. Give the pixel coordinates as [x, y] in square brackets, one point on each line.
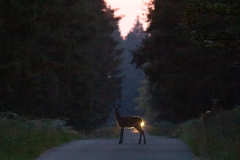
[219, 140]
[163, 128]
[23, 139]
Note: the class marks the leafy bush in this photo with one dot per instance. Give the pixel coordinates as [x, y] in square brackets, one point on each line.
[219, 140]
[23, 139]
[163, 128]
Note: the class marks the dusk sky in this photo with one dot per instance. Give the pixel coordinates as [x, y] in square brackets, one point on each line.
[130, 9]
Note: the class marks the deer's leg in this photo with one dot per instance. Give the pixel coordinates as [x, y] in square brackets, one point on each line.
[121, 135]
[144, 137]
[139, 128]
[140, 138]
[140, 131]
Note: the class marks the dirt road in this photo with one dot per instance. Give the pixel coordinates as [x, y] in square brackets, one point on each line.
[157, 148]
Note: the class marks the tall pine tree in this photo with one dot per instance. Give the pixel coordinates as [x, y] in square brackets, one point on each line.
[59, 60]
[133, 76]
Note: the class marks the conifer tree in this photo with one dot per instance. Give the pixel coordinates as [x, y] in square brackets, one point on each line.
[59, 60]
[132, 76]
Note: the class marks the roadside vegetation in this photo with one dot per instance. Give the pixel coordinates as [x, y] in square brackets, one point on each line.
[190, 58]
[220, 140]
[163, 128]
[60, 59]
[110, 130]
[25, 139]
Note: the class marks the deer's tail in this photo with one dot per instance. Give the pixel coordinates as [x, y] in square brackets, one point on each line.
[140, 120]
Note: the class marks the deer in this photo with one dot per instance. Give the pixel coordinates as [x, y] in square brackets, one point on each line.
[208, 115]
[133, 121]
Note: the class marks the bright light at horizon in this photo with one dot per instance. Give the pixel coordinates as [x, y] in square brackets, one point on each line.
[130, 9]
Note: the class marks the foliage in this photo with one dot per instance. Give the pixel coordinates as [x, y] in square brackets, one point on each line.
[132, 76]
[149, 101]
[23, 139]
[59, 60]
[163, 128]
[182, 75]
[202, 17]
[218, 141]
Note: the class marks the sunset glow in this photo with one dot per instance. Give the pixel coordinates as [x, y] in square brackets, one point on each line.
[130, 9]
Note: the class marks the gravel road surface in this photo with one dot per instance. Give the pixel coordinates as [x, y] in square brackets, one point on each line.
[156, 148]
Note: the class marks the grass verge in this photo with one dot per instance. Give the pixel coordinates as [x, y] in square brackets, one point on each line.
[26, 139]
[220, 140]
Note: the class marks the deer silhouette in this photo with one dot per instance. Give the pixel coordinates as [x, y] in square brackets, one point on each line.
[208, 115]
[133, 121]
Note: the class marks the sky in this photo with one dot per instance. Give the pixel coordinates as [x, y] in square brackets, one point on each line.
[130, 9]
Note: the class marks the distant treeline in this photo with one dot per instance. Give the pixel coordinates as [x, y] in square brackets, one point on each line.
[59, 59]
[190, 56]
[132, 76]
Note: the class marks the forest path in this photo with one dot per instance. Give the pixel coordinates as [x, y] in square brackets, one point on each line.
[156, 148]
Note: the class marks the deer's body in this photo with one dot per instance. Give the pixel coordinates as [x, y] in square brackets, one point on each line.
[123, 122]
[128, 121]
[208, 115]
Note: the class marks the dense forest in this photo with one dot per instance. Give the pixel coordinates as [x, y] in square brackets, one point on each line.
[190, 56]
[60, 59]
[63, 59]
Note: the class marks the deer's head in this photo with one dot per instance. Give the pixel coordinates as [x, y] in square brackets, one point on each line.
[116, 109]
[215, 104]
[214, 101]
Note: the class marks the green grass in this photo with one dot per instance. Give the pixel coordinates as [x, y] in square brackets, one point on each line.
[220, 140]
[26, 140]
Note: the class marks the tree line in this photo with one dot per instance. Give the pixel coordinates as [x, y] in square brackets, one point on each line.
[190, 56]
[132, 76]
[60, 59]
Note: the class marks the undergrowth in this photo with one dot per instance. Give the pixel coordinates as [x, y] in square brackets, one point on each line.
[162, 129]
[23, 139]
[219, 140]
